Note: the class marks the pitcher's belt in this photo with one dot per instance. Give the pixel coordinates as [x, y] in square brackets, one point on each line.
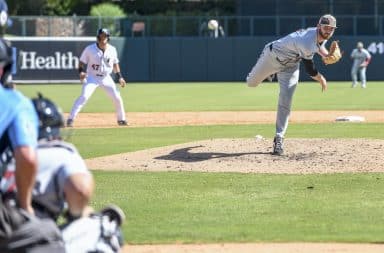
[277, 58]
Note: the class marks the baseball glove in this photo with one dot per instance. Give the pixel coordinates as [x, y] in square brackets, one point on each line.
[334, 54]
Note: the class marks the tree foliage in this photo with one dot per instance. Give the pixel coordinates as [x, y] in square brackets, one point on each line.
[57, 7]
[138, 7]
[109, 12]
[180, 7]
[45, 7]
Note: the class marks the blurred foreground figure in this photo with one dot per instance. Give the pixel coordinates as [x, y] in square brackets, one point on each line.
[64, 187]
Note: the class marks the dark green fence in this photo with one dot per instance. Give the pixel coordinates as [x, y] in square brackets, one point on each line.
[196, 26]
[176, 59]
[227, 59]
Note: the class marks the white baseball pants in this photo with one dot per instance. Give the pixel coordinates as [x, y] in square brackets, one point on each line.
[90, 86]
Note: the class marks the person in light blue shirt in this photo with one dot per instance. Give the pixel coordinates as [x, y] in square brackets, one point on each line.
[64, 186]
[282, 57]
[20, 230]
[18, 131]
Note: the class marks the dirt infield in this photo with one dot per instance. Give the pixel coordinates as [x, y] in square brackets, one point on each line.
[302, 156]
[247, 156]
[144, 119]
[257, 248]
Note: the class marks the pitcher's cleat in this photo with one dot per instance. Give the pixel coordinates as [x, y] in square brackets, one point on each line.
[69, 122]
[122, 123]
[271, 77]
[278, 148]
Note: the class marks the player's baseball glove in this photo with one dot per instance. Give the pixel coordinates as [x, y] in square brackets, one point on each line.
[334, 54]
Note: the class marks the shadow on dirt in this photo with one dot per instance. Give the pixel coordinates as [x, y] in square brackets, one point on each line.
[184, 155]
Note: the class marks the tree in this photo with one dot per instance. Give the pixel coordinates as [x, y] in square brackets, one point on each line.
[57, 7]
[45, 7]
[108, 13]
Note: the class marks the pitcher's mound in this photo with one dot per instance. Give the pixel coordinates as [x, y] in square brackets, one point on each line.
[253, 156]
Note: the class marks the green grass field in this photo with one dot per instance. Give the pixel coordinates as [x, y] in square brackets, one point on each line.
[166, 207]
[233, 207]
[139, 97]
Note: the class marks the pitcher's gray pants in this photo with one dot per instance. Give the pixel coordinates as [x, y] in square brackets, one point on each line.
[288, 77]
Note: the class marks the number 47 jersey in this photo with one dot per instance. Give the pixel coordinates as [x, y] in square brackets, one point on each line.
[99, 63]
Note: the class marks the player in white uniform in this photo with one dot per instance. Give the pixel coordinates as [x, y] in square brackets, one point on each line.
[361, 58]
[101, 60]
[283, 56]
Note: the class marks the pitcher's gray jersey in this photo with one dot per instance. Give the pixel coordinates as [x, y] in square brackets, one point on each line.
[283, 56]
[360, 56]
[301, 44]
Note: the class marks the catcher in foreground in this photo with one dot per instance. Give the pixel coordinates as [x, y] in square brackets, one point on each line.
[283, 57]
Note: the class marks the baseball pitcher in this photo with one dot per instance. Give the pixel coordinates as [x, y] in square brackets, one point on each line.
[283, 56]
[101, 60]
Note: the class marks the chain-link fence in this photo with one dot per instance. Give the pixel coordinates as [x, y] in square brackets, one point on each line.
[172, 26]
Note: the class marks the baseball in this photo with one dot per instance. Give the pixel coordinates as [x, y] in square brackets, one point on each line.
[213, 24]
[259, 137]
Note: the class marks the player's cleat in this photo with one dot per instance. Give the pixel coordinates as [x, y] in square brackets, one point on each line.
[353, 85]
[122, 123]
[271, 77]
[278, 148]
[69, 122]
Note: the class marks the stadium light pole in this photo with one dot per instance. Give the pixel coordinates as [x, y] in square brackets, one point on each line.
[376, 14]
[331, 6]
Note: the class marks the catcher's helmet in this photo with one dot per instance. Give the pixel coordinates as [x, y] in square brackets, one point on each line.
[103, 31]
[6, 61]
[50, 118]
